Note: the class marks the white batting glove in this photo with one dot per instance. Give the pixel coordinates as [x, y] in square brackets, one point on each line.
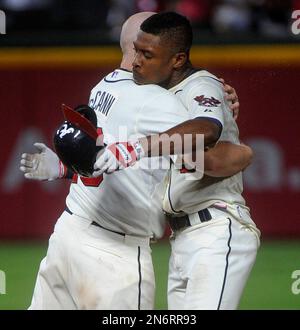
[44, 165]
[118, 156]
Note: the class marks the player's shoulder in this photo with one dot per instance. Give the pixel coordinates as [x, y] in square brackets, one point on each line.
[114, 77]
[198, 78]
[122, 80]
[199, 84]
[203, 77]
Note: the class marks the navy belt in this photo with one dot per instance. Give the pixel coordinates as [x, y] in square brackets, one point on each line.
[183, 222]
[94, 223]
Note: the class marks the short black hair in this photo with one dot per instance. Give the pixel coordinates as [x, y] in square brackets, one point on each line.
[173, 26]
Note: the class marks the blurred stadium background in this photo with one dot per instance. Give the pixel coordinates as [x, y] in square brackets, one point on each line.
[54, 52]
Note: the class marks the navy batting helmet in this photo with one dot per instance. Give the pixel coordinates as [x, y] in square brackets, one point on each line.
[75, 140]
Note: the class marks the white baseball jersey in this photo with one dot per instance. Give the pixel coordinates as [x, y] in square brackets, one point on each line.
[210, 260]
[202, 95]
[128, 201]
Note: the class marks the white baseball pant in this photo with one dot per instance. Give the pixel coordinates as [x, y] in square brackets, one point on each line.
[87, 267]
[211, 261]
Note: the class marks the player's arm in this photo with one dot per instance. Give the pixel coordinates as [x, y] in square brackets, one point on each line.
[227, 159]
[182, 138]
[204, 102]
[43, 165]
[210, 128]
[205, 117]
[173, 141]
[120, 155]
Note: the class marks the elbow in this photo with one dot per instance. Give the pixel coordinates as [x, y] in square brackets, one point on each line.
[212, 165]
[249, 155]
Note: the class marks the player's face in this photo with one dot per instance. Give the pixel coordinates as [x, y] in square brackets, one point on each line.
[154, 62]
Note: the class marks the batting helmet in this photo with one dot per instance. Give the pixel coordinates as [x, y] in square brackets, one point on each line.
[75, 140]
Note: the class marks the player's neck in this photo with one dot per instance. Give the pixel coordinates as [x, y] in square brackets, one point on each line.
[126, 66]
[127, 60]
[180, 75]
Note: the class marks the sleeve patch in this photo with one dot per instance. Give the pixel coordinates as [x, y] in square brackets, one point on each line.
[207, 101]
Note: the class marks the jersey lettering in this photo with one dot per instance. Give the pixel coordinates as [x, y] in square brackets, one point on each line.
[102, 102]
[89, 182]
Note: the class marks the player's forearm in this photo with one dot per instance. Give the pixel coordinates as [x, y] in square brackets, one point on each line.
[227, 159]
[183, 138]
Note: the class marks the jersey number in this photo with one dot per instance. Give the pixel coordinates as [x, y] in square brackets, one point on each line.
[90, 182]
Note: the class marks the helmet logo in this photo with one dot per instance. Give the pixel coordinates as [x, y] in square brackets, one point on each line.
[64, 131]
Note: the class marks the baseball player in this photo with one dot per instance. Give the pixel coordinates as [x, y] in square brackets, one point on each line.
[99, 255]
[214, 241]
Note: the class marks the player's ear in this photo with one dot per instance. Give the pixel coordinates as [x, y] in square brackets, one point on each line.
[179, 60]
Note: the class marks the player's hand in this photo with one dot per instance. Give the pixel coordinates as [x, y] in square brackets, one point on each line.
[117, 156]
[44, 165]
[232, 97]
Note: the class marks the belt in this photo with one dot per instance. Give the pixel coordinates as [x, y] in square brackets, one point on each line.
[177, 223]
[94, 223]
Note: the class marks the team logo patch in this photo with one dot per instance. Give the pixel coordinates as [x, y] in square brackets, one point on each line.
[207, 101]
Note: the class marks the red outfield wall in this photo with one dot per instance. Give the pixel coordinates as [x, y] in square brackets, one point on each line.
[34, 83]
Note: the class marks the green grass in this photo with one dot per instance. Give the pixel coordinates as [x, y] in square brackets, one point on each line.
[269, 286]
[20, 262]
